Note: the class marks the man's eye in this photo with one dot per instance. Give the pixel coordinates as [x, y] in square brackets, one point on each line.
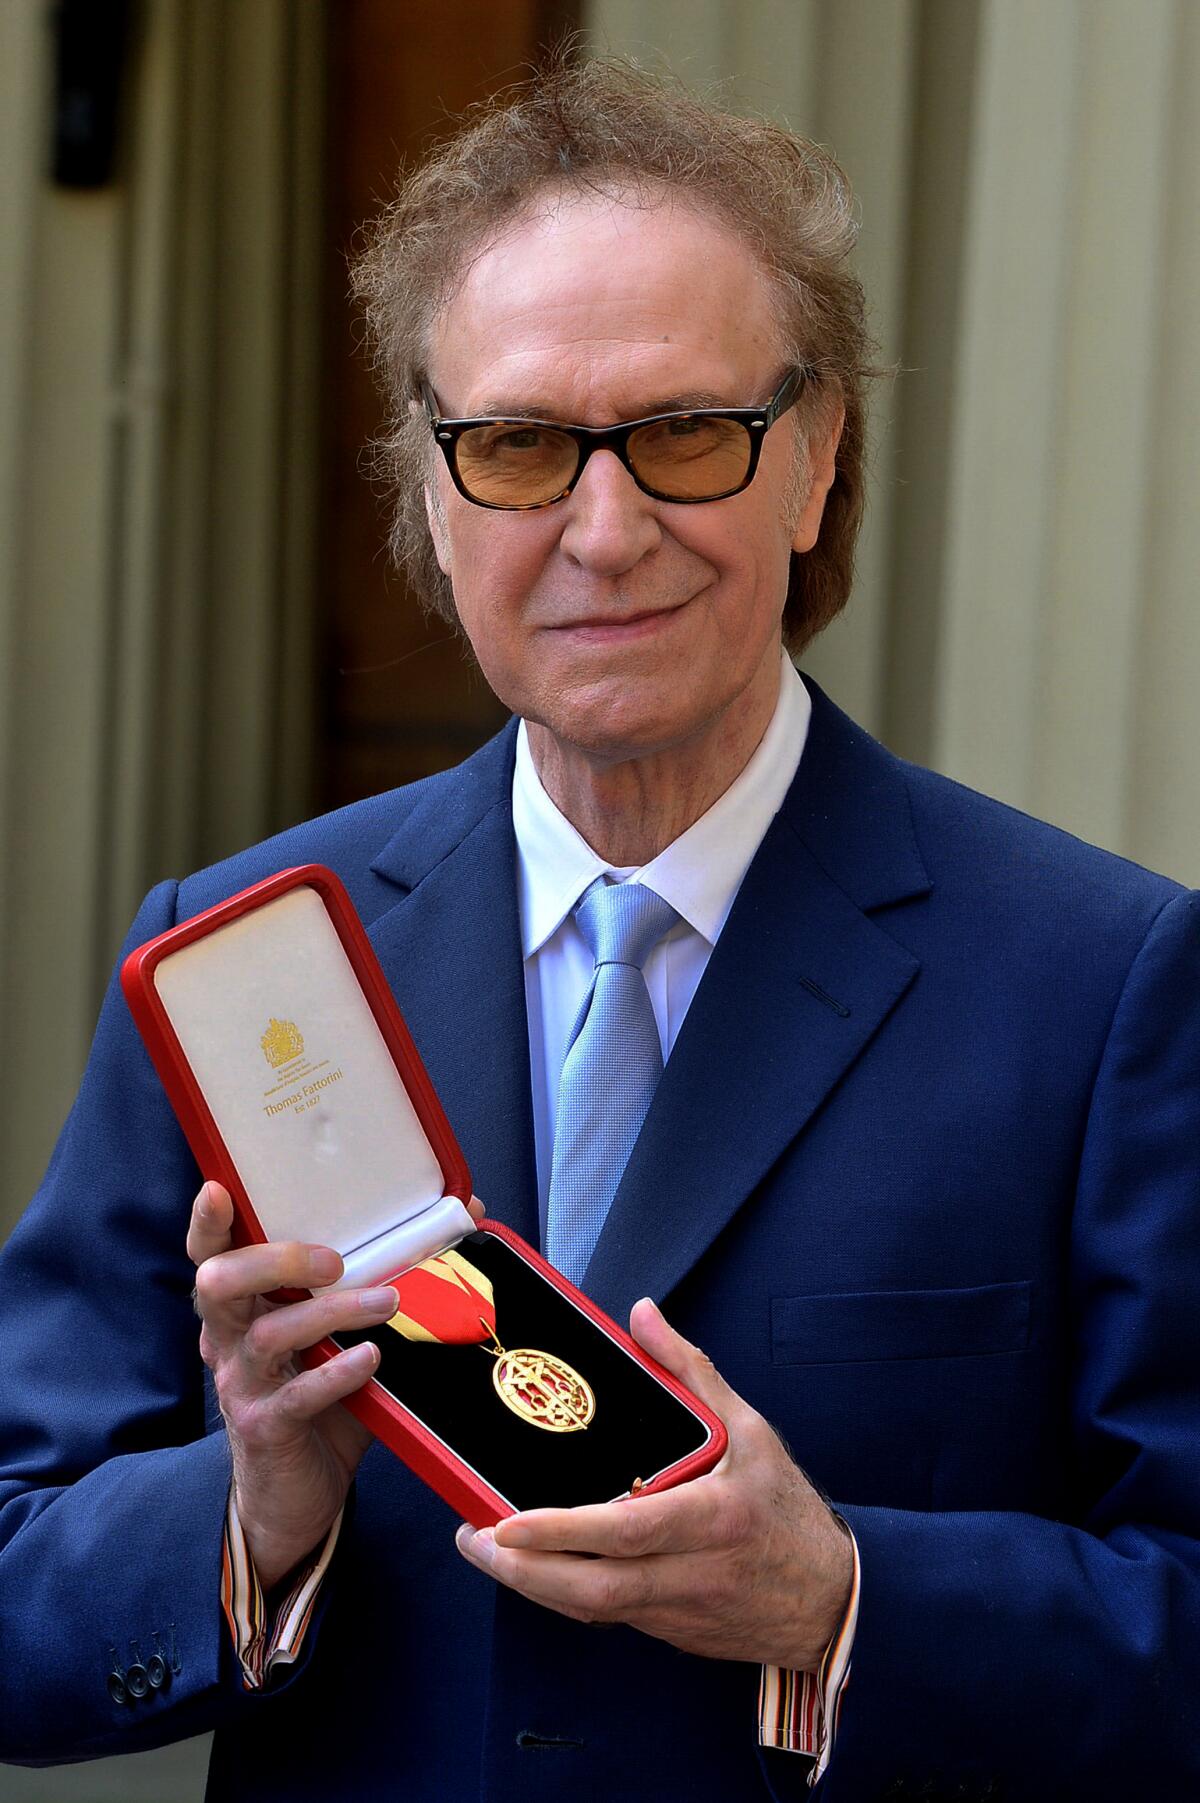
[685, 426]
[517, 438]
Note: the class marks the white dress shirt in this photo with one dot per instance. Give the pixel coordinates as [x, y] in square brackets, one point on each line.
[699, 874]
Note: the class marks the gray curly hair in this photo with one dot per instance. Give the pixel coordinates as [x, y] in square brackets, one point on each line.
[606, 125]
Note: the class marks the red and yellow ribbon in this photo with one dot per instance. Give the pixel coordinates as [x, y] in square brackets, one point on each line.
[445, 1301]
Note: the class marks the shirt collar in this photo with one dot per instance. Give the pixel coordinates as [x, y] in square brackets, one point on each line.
[699, 873]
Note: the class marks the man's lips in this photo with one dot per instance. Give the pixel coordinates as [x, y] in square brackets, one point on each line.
[623, 625]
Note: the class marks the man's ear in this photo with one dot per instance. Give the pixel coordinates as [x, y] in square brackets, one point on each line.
[822, 454]
[437, 529]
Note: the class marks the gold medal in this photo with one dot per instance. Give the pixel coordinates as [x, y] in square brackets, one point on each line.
[545, 1391]
[441, 1300]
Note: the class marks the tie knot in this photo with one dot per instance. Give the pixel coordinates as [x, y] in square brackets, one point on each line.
[622, 922]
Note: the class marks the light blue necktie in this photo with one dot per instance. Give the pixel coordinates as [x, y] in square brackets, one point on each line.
[612, 1066]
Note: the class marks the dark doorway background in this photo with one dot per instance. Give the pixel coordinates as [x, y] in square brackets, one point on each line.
[398, 696]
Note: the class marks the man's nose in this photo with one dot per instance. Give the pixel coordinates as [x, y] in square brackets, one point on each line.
[610, 524]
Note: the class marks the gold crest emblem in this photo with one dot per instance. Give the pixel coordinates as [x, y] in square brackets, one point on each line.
[545, 1391]
[281, 1042]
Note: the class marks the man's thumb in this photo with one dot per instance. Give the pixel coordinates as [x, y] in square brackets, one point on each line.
[654, 1333]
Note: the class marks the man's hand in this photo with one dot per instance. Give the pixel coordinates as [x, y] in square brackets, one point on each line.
[746, 1562]
[294, 1451]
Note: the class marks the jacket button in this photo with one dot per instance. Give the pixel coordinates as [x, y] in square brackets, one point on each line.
[137, 1680]
[156, 1671]
[116, 1688]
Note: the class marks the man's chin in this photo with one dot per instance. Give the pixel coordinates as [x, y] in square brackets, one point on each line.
[608, 731]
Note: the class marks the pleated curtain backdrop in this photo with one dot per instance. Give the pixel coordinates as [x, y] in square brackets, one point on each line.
[159, 346]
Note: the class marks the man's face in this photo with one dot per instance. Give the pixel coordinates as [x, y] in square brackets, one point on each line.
[622, 624]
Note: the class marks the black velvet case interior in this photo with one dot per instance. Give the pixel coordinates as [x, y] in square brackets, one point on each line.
[639, 1428]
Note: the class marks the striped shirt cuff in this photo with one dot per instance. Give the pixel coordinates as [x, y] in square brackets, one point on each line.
[799, 1711]
[262, 1644]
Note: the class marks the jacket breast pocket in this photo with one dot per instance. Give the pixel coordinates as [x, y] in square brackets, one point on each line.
[856, 1326]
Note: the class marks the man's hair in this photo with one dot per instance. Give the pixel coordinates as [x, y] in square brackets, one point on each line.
[606, 126]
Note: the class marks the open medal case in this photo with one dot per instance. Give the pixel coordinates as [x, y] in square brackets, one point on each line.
[299, 1087]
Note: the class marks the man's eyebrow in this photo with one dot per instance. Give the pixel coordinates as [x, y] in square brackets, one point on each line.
[501, 407]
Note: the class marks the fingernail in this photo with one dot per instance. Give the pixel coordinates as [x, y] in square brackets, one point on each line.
[364, 1357]
[324, 1264]
[479, 1546]
[371, 1301]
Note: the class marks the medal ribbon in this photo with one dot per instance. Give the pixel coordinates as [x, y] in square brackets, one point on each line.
[445, 1301]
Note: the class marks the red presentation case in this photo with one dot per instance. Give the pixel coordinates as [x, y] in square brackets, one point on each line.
[280, 1045]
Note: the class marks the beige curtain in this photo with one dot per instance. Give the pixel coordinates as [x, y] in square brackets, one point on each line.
[158, 352]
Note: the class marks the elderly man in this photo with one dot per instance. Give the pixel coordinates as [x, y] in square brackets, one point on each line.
[914, 1157]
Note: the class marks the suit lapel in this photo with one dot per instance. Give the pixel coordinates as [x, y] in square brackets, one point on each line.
[799, 982]
[451, 951]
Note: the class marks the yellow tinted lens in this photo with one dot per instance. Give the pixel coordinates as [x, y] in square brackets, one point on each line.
[691, 458]
[516, 465]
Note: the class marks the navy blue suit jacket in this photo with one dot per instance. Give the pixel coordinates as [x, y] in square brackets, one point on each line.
[921, 1176]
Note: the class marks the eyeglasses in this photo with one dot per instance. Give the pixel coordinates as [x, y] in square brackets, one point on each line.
[705, 454]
